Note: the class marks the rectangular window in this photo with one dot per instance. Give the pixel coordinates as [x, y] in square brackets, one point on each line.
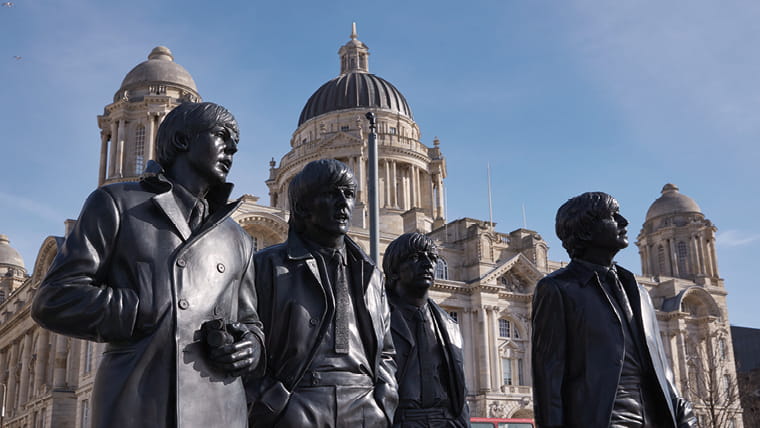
[504, 328]
[140, 150]
[344, 128]
[506, 368]
[520, 379]
[392, 130]
[88, 356]
[454, 316]
[85, 421]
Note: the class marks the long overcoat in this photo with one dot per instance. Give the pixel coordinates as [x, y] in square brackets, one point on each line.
[132, 274]
[578, 350]
[294, 310]
[451, 337]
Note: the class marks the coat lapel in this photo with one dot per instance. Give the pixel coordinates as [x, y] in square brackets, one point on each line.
[165, 201]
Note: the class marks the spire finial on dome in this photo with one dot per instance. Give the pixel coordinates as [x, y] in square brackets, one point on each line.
[353, 55]
[161, 52]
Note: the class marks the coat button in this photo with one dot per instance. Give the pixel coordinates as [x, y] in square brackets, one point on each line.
[184, 304]
[313, 321]
[220, 268]
[181, 263]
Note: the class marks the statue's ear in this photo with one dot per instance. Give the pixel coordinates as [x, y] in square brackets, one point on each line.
[181, 142]
[300, 210]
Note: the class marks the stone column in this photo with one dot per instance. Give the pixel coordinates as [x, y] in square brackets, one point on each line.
[696, 267]
[394, 185]
[3, 363]
[415, 191]
[26, 359]
[387, 202]
[706, 256]
[114, 146]
[13, 375]
[150, 153]
[713, 258]
[439, 196]
[468, 335]
[103, 157]
[42, 353]
[485, 363]
[59, 371]
[672, 257]
[359, 172]
[493, 315]
[120, 149]
[644, 261]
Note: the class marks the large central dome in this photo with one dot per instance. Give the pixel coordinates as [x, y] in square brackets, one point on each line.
[355, 87]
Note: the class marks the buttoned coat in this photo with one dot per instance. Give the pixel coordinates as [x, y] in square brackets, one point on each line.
[132, 274]
[451, 337]
[294, 308]
[578, 350]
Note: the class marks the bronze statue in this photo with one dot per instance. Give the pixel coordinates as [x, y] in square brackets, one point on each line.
[597, 356]
[325, 314]
[146, 265]
[428, 342]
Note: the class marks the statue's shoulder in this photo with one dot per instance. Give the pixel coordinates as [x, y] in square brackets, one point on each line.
[564, 276]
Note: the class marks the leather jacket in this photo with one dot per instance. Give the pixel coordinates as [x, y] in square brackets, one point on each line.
[578, 350]
[294, 310]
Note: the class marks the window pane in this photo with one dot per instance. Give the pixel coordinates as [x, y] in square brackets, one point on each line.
[506, 367]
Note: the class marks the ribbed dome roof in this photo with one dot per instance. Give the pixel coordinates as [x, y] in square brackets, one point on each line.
[8, 255]
[354, 90]
[671, 202]
[160, 67]
[355, 87]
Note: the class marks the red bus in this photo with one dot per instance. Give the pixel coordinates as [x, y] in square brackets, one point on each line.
[501, 423]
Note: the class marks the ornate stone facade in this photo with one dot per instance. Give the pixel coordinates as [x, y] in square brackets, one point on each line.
[485, 278]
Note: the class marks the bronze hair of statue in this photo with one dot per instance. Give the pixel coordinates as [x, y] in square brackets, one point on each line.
[149, 263]
[428, 342]
[597, 356]
[325, 315]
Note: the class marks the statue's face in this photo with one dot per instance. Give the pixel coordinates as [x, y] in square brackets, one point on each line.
[329, 212]
[210, 154]
[610, 232]
[417, 272]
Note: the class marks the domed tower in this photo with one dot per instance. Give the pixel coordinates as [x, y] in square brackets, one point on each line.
[12, 270]
[332, 125]
[128, 126]
[677, 240]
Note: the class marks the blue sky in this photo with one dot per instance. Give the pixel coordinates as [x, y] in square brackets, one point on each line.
[559, 97]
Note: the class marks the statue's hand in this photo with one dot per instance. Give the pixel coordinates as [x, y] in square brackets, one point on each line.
[239, 357]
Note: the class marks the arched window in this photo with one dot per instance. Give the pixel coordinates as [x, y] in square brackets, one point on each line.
[441, 269]
[139, 149]
[682, 252]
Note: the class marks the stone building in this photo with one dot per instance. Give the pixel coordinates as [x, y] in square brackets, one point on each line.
[485, 278]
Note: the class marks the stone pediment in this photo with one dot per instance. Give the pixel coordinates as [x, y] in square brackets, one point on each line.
[519, 266]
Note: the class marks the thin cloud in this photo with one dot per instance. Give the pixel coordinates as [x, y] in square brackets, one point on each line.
[653, 58]
[736, 238]
[14, 202]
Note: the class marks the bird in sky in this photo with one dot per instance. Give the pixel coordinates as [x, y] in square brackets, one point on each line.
[17, 58]
[7, 4]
